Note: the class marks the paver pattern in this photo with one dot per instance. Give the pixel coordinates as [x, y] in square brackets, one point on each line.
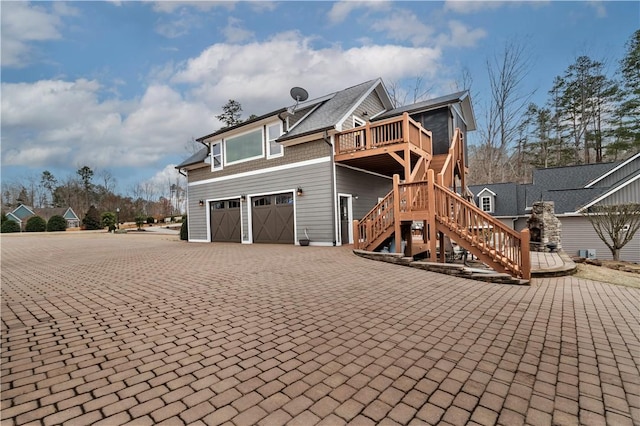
[145, 329]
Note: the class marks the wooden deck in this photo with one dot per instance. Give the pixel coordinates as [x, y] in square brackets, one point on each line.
[425, 190]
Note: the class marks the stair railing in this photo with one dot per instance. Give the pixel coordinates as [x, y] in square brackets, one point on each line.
[493, 238]
[374, 223]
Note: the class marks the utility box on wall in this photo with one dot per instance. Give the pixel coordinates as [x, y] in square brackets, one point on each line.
[587, 253]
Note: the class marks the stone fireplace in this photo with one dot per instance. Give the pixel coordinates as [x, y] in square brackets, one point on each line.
[544, 227]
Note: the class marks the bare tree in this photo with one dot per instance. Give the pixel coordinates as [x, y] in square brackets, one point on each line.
[615, 225]
[405, 94]
[504, 111]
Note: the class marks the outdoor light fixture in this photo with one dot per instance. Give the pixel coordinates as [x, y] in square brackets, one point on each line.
[355, 196]
[118, 217]
[299, 191]
[243, 197]
[201, 203]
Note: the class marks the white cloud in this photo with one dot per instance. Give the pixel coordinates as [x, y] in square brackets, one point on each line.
[259, 75]
[23, 24]
[84, 129]
[88, 125]
[204, 6]
[341, 9]
[461, 35]
[234, 32]
[599, 7]
[464, 7]
[404, 25]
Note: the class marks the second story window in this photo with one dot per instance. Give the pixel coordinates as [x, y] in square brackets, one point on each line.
[216, 156]
[274, 149]
[247, 146]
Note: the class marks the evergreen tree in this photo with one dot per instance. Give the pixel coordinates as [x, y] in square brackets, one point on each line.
[231, 112]
[92, 219]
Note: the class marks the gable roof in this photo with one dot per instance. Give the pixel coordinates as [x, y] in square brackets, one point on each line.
[336, 107]
[463, 98]
[571, 188]
[196, 158]
[22, 211]
[48, 212]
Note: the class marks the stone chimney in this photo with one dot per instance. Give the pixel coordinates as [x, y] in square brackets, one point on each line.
[550, 228]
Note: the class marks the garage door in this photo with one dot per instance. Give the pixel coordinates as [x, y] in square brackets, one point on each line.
[272, 218]
[225, 221]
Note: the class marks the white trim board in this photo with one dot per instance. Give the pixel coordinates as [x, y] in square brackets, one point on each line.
[262, 171]
[618, 167]
[608, 193]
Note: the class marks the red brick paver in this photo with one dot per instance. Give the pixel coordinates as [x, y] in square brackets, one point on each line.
[145, 329]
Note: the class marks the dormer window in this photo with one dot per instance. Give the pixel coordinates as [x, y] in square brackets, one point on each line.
[486, 200]
[486, 203]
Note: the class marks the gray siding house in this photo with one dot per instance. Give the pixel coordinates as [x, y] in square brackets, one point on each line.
[573, 190]
[274, 178]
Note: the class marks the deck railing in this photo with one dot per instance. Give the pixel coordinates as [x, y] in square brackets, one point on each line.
[375, 223]
[446, 175]
[496, 240]
[464, 222]
[402, 129]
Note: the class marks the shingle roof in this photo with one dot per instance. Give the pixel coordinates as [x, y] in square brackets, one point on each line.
[570, 177]
[331, 111]
[565, 186]
[196, 158]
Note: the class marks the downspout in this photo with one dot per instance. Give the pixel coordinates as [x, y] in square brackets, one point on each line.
[326, 139]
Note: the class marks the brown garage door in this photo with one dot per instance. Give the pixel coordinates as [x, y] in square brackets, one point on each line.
[225, 221]
[272, 219]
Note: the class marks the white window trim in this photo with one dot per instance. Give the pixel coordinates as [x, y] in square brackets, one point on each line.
[357, 122]
[267, 141]
[244, 160]
[490, 198]
[221, 166]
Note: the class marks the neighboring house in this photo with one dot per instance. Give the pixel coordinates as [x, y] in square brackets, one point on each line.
[573, 190]
[22, 213]
[345, 168]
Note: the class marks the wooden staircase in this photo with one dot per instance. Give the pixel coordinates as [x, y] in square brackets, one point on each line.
[428, 195]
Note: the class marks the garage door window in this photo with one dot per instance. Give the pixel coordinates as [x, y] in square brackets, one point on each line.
[218, 205]
[284, 199]
[262, 201]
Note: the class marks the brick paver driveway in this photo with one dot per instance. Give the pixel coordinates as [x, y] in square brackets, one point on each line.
[101, 328]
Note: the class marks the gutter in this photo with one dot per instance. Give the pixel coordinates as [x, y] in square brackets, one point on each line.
[333, 186]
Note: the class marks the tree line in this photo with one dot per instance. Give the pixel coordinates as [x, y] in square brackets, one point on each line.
[87, 189]
[589, 116]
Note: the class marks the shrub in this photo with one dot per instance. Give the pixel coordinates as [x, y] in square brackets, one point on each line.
[9, 226]
[140, 221]
[57, 223]
[184, 232]
[151, 220]
[92, 219]
[109, 220]
[4, 218]
[36, 224]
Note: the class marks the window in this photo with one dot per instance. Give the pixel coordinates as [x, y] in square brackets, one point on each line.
[216, 156]
[244, 147]
[274, 149]
[284, 199]
[486, 203]
[262, 201]
[234, 204]
[219, 205]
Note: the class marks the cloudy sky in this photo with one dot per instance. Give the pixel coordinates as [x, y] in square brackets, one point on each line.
[123, 86]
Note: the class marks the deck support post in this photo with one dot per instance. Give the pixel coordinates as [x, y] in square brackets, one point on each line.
[442, 248]
[397, 234]
[431, 214]
[525, 238]
[356, 234]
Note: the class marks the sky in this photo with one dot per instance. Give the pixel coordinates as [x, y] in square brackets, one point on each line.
[123, 86]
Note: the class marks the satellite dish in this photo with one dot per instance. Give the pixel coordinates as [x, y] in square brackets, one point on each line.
[299, 94]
